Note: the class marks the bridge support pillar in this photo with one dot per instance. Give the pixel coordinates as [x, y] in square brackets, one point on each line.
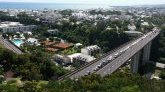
[146, 53]
[135, 62]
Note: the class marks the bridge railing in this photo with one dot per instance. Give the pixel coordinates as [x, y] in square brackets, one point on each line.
[92, 62]
[88, 64]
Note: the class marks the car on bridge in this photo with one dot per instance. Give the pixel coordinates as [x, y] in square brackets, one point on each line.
[110, 58]
[87, 73]
[116, 55]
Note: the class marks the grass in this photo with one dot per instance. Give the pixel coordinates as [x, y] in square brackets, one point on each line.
[41, 83]
[15, 81]
[1, 46]
[69, 51]
[157, 72]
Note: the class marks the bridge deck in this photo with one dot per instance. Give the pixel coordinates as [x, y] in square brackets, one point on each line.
[128, 51]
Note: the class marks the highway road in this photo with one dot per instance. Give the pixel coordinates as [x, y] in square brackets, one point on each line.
[115, 64]
[88, 64]
[10, 46]
[110, 63]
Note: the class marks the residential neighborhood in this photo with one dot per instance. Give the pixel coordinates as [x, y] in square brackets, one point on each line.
[89, 46]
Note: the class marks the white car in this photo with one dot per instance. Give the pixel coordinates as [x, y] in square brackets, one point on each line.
[116, 54]
[104, 61]
[121, 51]
[96, 68]
[87, 73]
[110, 58]
[99, 66]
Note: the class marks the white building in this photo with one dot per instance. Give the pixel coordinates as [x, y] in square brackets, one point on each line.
[28, 32]
[145, 24]
[160, 65]
[49, 16]
[80, 15]
[91, 50]
[78, 45]
[53, 31]
[32, 41]
[80, 57]
[61, 59]
[70, 59]
[15, 27]
[131, 27]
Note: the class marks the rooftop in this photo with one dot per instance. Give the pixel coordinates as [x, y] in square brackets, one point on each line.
[92, 47]
[10, 24]
[62, 45]
[48, 42]
[51, 49]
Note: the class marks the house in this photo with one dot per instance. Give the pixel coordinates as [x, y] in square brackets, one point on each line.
[160, 65]
[77, 45]
[15, 27]
[80, 57]
[70, 59]
[61, 59]
[145, 24]
[73, 56]
[53, 31]
[48, 43]
[51, 49]
[28, 32]
[62, 46]
[91, 50]
[131, 27]
[32, 41]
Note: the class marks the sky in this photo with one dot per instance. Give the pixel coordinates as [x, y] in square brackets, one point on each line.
[107, 2]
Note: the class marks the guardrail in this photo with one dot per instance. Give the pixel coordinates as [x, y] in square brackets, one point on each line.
[108, 65]
[92, 62]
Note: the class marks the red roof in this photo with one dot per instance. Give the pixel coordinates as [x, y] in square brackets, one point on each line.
[48, 42]
[62, 45]
[52, 49]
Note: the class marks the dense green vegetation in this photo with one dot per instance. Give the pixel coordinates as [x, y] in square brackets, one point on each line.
[118, 82]
[22, 18]
[36, 66]
[162, 46]
[109, 12]
[88, 34]
[85, 33]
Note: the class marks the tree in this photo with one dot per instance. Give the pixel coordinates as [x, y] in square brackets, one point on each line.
[162, 74]
[31, 86]
[8, 88]
[30, 71]
[130, 89]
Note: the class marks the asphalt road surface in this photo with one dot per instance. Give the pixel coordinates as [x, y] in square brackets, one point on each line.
[128, 51]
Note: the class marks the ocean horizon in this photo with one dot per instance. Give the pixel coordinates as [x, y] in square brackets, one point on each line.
[33, 6]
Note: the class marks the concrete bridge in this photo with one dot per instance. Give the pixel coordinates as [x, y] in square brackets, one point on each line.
[110, 62]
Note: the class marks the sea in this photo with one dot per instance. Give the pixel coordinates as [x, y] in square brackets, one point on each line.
[56, 6]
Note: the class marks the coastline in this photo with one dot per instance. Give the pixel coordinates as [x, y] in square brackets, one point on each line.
[33, 6]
